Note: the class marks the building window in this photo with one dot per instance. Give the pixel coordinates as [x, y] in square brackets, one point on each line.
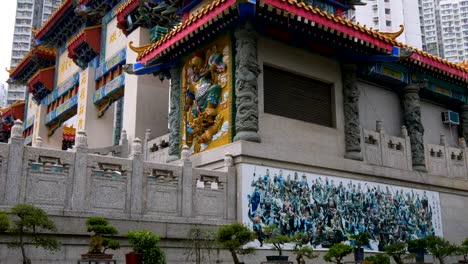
[387, 11]
[388, 23]
[294, 96]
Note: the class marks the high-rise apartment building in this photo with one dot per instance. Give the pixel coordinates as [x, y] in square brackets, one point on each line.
[388, 15]
[444, 24]
[2, 95]
[29, 14]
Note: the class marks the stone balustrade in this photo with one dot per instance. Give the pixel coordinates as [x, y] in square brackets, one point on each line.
[385, 150]
[444, 160]
[75, 182]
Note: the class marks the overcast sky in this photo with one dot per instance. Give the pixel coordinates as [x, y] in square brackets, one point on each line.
[7, 22]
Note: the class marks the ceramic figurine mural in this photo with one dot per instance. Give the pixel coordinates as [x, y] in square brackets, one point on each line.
[207, 89]
[331, 209]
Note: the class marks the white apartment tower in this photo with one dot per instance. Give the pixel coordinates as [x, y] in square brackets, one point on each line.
[388, 15]
[29, 14]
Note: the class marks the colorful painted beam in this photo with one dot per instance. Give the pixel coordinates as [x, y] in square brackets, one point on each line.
[58, 114]
[112, 90]
[111, 64]
[59, 91]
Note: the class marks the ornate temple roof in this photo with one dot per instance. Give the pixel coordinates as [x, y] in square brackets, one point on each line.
[54, 17]
[306, 15]
[34, 60]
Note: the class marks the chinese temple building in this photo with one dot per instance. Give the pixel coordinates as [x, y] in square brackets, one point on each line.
[310, 114]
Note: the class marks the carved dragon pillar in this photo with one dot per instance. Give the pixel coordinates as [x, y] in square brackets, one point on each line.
[351, 112]
[174, 114]
[247, 71]
[412, 120]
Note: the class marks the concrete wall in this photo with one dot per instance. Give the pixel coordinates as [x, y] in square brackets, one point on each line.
[379, 104]
[433, 126]
[294, 134]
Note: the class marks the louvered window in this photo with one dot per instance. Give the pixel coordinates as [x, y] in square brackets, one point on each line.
[298, 97]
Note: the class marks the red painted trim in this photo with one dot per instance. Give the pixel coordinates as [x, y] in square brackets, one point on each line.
[121, 16]
[323, 20]
[25, 62]
[92, 36]
[189, 29]
[53, 18]
[45, 77]
[439, 65]
[72, 46]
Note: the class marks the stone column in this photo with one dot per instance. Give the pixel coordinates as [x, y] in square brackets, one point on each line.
[231, 201]
[15, 164]
[174, 114]
[80, 175]
[137, 178]
[351, 112]
[412, 120]
[187, 183]
[247, 71]
[464, 119]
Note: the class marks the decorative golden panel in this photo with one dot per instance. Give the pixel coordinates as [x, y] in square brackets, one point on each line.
[207, 96]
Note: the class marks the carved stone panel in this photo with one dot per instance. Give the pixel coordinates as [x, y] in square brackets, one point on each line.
[372, 148]
[108, 194]
[209, 203]
[436, 160]
[46, 188]
[457, 164]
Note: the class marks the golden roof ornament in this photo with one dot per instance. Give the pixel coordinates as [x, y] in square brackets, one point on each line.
[394, 35]
[138, 50]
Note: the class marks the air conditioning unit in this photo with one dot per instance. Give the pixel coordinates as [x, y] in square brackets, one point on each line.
[450, 117]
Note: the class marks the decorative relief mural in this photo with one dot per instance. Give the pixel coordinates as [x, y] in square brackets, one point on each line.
[330, 209]
[207, 97]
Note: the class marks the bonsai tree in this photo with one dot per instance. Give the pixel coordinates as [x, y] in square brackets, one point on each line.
[360, 240]
[439, 248]
[275, 238]
[199, 239]
[100, 240]
[379, 259]
[4, 222]
[337, 252]
[462, 250]
[29, 224]
[301, 249]
[146, 243]
[234, 237]
[397, 251]
[418, 247]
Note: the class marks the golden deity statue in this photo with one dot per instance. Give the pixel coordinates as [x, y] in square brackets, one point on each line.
[202, 97]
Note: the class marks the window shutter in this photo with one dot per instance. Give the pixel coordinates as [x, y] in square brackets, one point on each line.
[294, 96]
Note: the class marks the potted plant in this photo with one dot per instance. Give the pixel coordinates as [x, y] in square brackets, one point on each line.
[278, 240]
[301, 249]
[418, 247]
[234, 237]
[100, 239]
[337, 252]
[360, 240]
[145, 248]
[378, 259]
[439, 248]
[462, 250]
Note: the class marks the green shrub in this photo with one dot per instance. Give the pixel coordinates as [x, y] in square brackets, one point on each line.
[379, 259]
[101, 239]
[4, 222]
[146, 243]
[234, 237]
[337, 252]
[439, 248]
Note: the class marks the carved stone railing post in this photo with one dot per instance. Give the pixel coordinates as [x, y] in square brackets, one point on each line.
[351, 112]
[137, 178]
[231, 181]
[145, 143]
[174, 113]
[38, 142]
[412, 120]
[187, 183]
[247, 71]
[80, 176]
[15, 164]
[404, 134]
[124, 143]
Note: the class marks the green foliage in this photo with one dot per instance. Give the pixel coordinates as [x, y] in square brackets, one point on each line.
[337, 252]
[4, 222]
[146, 243]
[361, 239]
[275, 238]
[440, 248]
[397, 251]
[30, 223]
[379, 259]
[462, 250]
[301, 249]
[201, 242]
[234, 237]
[101, 238]
[416, 245]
